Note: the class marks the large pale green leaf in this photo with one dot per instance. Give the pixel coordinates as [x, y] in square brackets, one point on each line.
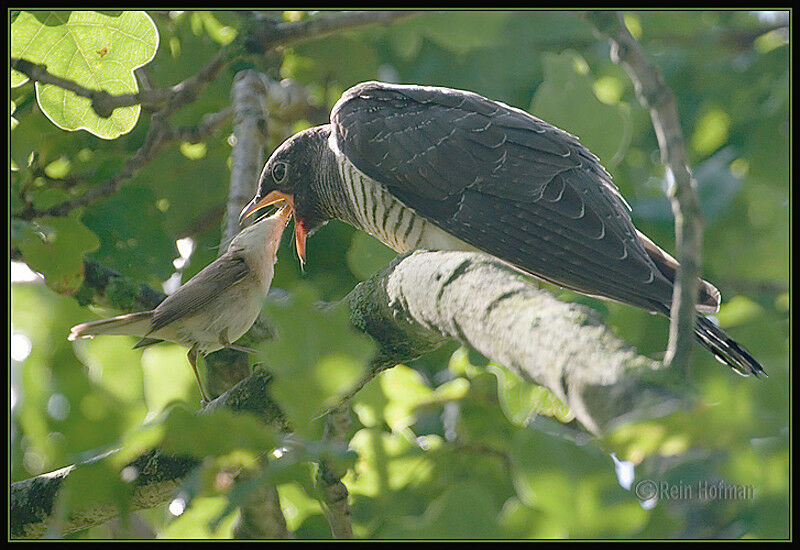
[97, 50]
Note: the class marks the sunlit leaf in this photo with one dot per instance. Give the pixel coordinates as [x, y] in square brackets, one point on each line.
[98, 51]
[316, 356]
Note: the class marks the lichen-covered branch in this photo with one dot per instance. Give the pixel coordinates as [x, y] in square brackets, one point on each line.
[426, 298]
[655, 95]
[157, 475]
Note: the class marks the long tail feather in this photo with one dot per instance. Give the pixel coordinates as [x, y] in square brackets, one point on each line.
[134, 324]
[726, 349]
[708, 297]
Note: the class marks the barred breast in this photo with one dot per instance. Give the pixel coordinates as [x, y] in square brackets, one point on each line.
[386, 218]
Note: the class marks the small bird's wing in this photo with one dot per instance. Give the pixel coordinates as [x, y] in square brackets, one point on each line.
[200, 290]
[504, 181]
[146, 342]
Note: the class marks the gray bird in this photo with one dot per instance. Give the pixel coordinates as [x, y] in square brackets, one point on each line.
[216, 306]
[437, 168]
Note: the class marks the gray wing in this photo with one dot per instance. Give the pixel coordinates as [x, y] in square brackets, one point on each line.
[504, 181]
[203, 288]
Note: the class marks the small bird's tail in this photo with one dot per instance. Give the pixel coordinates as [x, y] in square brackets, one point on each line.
[133, 324]
[725, 348]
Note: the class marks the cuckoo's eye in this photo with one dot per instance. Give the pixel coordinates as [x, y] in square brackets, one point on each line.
[279, 172]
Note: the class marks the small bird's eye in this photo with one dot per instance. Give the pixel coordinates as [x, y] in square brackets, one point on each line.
[279, 172]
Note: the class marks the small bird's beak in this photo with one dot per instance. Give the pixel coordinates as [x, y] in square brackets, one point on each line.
[273, 197]
[282, 218]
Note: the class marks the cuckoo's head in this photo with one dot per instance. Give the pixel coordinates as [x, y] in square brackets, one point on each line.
[291, 175]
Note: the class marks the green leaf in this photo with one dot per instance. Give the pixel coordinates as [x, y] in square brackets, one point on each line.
[462, 511]
[462, 32]
[55, 247]
[133, 238]
[387, 463]
[196, 521]
[167, 377]
[218, 433]
[711, 131]
[316, 356]
[567, 99]
[521, 400]
[95, 484]
[367, 255]
[572, 486]
[98, 51]
[406, 390]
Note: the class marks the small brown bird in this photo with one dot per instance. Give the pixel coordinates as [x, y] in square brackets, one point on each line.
[216, 306]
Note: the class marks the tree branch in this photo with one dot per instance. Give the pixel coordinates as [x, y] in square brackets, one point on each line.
[104, 103]
[249, 128]
[249, 131]
[265, 35]
[287, 34]
[158, 137]
[158, 476]
[334, 492]
[655, 95]
[423, 299]
[261, 515]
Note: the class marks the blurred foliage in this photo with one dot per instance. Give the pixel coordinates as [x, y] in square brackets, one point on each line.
[449, 446]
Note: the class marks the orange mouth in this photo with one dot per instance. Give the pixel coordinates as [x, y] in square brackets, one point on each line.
[271, 198]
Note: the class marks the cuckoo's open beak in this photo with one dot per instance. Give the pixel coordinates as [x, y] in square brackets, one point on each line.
[270, 198]
[273, 197]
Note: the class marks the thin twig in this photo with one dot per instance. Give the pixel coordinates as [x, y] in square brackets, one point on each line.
[249, 132]
[334, 491]
[655, 95]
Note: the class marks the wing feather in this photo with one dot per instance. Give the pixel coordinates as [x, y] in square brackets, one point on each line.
[202, 289]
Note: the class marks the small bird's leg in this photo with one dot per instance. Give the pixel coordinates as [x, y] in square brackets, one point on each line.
[192, 356]
[241, 348]
[223, 339]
